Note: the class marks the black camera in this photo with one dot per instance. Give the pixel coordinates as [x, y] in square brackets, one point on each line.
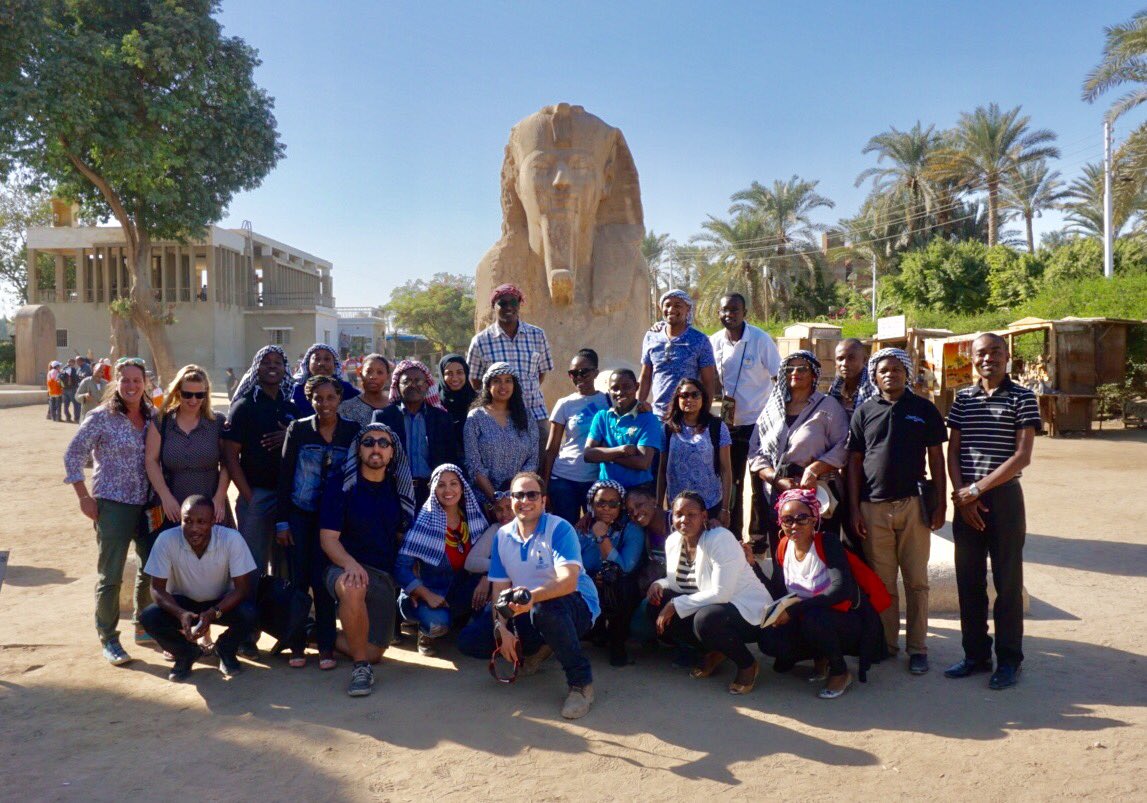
[518, 596]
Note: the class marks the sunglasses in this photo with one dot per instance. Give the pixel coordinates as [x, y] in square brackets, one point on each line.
[612, 504]
[502, 670]
[798, 519]
[521, 496]
[193, 394]
[136, 361]
[797, 369]
[578, 373]
[689, 394]
[370, 443]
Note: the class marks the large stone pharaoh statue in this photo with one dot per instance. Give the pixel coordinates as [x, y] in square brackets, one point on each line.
[571, 238]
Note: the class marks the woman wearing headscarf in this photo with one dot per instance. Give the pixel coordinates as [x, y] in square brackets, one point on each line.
[832, 616]
[456, 391]
[314, 449]
[801, 437]
[611, 551]
[430, 569]
[375, 391]
[319, 360]
[501, 436]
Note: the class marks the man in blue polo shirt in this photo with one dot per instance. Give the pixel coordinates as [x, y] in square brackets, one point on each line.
[624, 440]
[539, 552]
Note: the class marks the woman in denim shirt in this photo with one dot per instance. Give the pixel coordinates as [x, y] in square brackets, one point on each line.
[314, 448]
[611, 549]
[431, 562]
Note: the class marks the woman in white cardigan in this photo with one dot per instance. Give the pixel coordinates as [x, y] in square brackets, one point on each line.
[710, 595]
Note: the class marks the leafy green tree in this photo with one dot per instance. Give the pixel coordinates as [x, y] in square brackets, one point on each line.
[140, 111]
[737, 263]
[1082, 258]
[1029, 191]
[22, 204]
[1012, 277]
[986, 145]
[944, 276]
[441, 309]
[907, 174]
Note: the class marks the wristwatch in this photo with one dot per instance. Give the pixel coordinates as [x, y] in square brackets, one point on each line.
[974, 490]
[215, 610]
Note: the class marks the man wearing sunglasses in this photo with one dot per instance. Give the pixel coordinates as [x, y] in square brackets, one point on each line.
[540, 553]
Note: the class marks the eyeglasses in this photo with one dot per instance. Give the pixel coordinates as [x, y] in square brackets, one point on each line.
[797, 369]
[370, 443]
[689, 394]
[797, 520]
[136, 361]
[507, 303]
[612, 504]
[521, 496]
[578, 373]
[193, 394]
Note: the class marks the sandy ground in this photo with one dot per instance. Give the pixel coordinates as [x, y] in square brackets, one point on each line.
[72, 727]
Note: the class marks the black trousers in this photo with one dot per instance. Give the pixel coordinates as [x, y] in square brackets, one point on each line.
[739, 456]
[1002, 541]
[717, 628]
[814, 632]
[241, 622]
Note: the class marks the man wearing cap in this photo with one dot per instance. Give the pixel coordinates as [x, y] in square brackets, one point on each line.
[673, 350]
[524, 346]
[893, 510]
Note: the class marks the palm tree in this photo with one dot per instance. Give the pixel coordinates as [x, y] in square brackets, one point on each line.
[1084, 206]
[653, 247]
[784, 209]
[1124, 62]
[1029, 190]
[736, 263]
[987, 144]
[908, 176]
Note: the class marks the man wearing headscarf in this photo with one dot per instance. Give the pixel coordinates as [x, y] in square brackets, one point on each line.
[673, 350]
[252, 450]
[524, 346]
[361, 518]
[426, 430]
[892, 506]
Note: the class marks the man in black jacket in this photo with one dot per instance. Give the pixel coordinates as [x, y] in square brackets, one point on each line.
[417, 416]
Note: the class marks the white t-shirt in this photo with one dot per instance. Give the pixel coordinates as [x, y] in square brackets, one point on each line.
[202, 579]
[749, 381]
[575, 412]
[805, 578]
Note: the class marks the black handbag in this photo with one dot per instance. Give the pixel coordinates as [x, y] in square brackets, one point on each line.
[283, 610]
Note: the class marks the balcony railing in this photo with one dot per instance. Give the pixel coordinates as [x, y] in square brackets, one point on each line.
[293, 300]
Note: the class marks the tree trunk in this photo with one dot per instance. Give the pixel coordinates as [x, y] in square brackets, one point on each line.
[1031, 235]
[147, 312]
[993, 206]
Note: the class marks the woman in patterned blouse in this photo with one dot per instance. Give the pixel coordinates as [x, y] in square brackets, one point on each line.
[114, 434]
[501, 437]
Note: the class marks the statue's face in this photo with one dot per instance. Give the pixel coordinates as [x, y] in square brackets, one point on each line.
[560, 189]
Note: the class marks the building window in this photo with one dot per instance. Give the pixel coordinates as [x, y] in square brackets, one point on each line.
[326, 335]
[281, 337]
[61, 338]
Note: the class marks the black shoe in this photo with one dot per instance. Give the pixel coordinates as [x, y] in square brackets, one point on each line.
[618, 656]
[1004, 677]
[228, 664]
[918, 664]
[968, 667]
[250, 651]
[182, 669]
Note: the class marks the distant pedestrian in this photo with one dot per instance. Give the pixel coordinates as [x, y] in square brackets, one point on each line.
[232, 383]
[55, 390]
[70, 381]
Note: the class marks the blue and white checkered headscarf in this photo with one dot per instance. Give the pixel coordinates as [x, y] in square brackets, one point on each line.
[681, 294]
[874, 361]
[305, 368]
[251, 378]
[597, 486]
[426, 540]
[399, 468]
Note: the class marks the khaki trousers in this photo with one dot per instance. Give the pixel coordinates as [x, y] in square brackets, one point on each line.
[898, 539]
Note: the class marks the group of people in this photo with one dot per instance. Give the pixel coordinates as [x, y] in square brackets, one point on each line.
[75, 387]
[458, 503]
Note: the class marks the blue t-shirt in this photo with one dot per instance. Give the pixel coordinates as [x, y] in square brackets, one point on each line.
[367, 517]
[628, 547]
[674, 359]
[640, 429]
[532, 563]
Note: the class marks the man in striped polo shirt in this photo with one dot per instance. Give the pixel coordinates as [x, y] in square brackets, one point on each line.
[993, 426]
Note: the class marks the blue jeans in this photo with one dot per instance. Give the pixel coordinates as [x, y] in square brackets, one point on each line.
[458, 589]
[54, 405]
[567, 498]
[257, 524]
[71, 406]
[308, 565]
[559, 623]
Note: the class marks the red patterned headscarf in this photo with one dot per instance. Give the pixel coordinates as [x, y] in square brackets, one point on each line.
[506, 290]
[403, 366]
[805, 497]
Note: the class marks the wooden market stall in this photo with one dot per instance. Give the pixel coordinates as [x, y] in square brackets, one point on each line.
[820, 339]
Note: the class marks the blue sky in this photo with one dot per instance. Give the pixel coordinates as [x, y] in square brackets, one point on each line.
[395, 115]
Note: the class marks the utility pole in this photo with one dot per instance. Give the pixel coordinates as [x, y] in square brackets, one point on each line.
[1108, 233]
[874, 285]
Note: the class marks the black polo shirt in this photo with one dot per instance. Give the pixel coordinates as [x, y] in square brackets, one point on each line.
[894, 439]
[252, 416]
[988, 425]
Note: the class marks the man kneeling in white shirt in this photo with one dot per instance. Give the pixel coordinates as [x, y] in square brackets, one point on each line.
[200, 575]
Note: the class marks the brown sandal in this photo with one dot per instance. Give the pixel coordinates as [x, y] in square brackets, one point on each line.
[709, 665]
[745, 688]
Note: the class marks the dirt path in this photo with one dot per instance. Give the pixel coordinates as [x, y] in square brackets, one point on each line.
[73, 728]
